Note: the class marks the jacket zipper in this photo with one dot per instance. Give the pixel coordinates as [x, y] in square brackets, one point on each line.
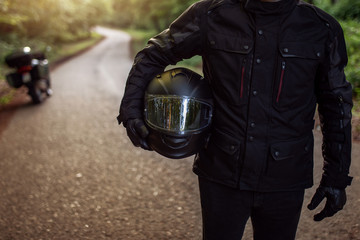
[283, 66]
[242, 78]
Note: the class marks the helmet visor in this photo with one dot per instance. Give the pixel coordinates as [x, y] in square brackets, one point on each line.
[177, 114]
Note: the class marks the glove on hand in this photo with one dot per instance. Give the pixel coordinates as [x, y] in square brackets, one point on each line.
[335, 201]
[137, 132]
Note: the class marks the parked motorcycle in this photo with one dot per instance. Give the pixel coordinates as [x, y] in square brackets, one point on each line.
[32, 70]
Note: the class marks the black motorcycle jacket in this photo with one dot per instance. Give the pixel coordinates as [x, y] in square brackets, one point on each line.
[269, 65]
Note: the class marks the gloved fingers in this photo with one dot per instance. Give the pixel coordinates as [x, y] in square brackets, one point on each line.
[321, 215]
[143, 132]
[144, 145]
[133, 136]
[137, 140]
[328, 211]
[137, 132]
[140, 128]
[317, 199]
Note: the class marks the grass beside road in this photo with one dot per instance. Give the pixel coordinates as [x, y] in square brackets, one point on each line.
[73, 48]
[55, 56]
[139, 39]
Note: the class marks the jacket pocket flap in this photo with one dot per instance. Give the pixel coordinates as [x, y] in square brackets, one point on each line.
[225, 142]
[301, 50]
[289, 149]
[230, 44]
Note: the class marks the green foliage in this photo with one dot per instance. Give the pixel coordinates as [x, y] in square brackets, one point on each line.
[346, 10]
[352, 38]
[326, 5]
[51, 20]
[139, 39]
[340, 9]
[69, 49]
[5, 98]
[42, 23]
[147, 14]
[348, 14]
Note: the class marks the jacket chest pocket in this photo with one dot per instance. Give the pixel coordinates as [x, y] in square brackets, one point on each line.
[294, 84]
[229, 62]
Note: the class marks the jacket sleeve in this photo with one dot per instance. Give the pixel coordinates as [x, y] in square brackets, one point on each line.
[180, 41]
[334, 106]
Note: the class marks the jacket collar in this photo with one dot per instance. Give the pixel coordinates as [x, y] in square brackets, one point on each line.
[258, 7]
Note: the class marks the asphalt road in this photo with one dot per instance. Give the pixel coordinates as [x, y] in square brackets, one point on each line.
[68, 171]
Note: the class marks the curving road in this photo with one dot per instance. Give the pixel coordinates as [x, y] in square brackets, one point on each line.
[68, 171]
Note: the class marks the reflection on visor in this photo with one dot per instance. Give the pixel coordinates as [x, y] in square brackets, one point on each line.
[175, 114]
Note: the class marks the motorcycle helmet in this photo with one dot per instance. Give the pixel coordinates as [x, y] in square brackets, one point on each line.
[178, 111]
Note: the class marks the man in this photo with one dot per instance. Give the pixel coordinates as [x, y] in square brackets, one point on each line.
[268, 63]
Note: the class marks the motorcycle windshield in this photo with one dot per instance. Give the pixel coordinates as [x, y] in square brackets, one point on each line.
[177, 114]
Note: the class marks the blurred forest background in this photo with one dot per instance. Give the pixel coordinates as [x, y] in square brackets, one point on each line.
[62, 24]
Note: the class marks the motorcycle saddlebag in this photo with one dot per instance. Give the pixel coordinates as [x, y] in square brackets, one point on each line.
[14, 80]
[18, 59]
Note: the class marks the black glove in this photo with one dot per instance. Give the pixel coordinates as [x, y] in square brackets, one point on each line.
[137, 132]
[335, 201]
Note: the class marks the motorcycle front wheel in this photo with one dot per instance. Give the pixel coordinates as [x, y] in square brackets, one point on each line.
[37, 91]
[36, 95]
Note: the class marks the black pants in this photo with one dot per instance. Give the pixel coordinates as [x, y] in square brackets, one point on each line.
[225, 211]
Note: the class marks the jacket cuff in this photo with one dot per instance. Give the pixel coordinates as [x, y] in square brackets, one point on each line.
[340, 182]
